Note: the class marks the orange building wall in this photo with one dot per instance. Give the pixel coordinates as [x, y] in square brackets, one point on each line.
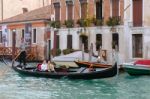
[22, 25]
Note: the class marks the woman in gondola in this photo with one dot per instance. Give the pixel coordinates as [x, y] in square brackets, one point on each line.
[50, 66]
[44, 66]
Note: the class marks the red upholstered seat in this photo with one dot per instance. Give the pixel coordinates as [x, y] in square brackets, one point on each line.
[142, 62]
[39, 67]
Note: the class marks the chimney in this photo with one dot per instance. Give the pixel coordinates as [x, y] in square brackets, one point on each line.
[24, 10]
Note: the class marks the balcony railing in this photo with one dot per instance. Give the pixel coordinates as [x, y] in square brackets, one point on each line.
[8, 52]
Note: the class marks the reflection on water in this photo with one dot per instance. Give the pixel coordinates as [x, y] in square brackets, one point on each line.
[15, 86]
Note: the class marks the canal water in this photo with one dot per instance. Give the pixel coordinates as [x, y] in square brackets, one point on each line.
[123, 86]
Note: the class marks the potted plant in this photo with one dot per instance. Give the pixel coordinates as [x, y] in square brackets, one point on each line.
[69, 23]
[67, 51]
[97, 22]
[113, 21]
[84, 22]
[57, 52]
[55, 24]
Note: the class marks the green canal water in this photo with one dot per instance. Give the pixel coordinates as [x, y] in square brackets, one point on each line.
[123, 86]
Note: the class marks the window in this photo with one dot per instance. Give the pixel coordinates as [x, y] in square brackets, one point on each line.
[69, 41]
[34, 36]
[99, 9]
[57, 41]
[115, 41]
[83, 9]
[137, 45]
[137, 13]
[57, 11]
[115, 8]
[98, 41]
[22, 33]
[1, 37]
[69, 10]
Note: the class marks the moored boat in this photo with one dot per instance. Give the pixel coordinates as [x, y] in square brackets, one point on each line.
[93, 64]
[71, 73]
[140, 67]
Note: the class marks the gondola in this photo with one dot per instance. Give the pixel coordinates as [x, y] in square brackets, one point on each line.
[88, 64]
[70, 73]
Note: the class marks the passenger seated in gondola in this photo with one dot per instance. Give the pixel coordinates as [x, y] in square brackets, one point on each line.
[44, 66]
[50, 66]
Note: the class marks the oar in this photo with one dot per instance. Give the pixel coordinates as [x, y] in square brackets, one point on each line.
[15, 58]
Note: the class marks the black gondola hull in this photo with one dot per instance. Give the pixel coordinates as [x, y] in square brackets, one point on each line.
[108, 72]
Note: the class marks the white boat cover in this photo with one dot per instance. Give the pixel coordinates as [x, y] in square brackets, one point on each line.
[74, 56]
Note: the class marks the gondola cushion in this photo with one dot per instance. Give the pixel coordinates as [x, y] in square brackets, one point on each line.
[142, 62]
[39, 67]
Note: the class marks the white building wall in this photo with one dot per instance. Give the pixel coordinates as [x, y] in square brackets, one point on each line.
[91, 33]
[129, 29]
[146, 19]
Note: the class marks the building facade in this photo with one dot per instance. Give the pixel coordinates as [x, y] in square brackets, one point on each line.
[92, 24]
[137, 27]
[32, 26]
[104, 23]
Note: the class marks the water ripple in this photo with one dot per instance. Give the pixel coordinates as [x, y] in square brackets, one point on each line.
[123, 86]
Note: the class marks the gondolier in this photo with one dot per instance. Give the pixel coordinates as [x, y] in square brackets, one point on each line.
[22, 56]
